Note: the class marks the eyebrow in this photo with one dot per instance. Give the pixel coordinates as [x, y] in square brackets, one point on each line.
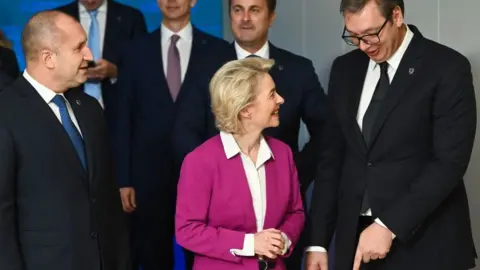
[242, 7]
[365, 32]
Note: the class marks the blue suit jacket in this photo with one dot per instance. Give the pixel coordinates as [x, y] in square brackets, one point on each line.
[152, 133]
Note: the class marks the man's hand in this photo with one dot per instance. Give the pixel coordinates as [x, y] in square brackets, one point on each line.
[374, 243]
[316, 261]
[128, 199]
[269, 243]
[103, 69]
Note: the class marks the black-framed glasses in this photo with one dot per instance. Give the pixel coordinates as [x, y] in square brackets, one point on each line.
[368, 39]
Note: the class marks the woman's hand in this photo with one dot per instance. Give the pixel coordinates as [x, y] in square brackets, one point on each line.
[269, 243]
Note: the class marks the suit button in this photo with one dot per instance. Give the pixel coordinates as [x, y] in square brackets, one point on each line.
[369, 164]
[94, 201]
[93, 234]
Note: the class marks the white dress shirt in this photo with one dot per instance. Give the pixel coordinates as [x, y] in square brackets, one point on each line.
[255, 173]
[264, 52]
[47, 95]
[184, 45]
[371, 80]
[85, 21]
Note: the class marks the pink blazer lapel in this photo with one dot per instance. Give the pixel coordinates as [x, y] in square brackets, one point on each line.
[241, 188]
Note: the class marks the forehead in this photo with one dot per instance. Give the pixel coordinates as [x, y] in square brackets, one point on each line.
[72, 31]
[365, 20]
[249, 3]
[265, 82]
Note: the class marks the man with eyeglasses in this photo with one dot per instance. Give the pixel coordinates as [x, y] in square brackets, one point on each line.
[397, 144]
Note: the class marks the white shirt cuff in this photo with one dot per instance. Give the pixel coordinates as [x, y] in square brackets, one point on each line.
[248, 246]
[288, 243]
[315, 249]
[379, 222]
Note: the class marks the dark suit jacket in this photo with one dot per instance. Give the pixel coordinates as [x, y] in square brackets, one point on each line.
[8, 62]
[297, 82]
[421, 146]
[53, 214]
[5, 80]
[124, 23]
[151, 132]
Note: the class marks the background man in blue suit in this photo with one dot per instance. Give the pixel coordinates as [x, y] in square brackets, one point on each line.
[109, 25]
[161, 81]
[296, 81]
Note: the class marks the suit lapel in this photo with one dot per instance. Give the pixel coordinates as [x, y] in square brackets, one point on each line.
[41, 112]
[157, 76]
[353, 100]
[409, 67]
[83, 119]
[198, 46]
[270, 176]
[111, 29]
[243, 188]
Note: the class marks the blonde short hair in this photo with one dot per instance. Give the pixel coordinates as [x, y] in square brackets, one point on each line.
[233, 87]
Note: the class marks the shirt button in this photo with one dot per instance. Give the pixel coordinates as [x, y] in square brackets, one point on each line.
[93, 234]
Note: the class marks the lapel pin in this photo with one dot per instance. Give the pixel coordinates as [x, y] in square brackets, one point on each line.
[411, 70]
[280, 67]
[78, 102]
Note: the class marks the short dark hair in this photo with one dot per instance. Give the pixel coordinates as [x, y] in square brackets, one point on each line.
[272, 5]
[386, 6]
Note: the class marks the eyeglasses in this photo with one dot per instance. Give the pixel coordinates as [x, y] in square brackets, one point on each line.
[368, 39]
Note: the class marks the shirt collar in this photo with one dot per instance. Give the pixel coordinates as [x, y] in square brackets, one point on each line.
[46, 93]
[102, 8]
[185, 34]
[264, 52]
[394, 60]
[232, 149]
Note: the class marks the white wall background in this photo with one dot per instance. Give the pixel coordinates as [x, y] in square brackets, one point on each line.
[312, 28]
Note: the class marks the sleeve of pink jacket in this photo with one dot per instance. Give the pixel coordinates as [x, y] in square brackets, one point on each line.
[193, 203]
[294, 220]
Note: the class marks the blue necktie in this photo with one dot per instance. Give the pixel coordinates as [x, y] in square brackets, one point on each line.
[93, 88]
[70, 128]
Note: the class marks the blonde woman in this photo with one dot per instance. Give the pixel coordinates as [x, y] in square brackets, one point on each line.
[239, 204]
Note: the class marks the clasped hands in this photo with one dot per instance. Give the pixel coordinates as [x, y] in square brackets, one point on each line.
[269, 243]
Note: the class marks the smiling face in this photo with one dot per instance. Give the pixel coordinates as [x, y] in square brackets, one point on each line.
[72, 55]
[369, 21]
[262, 113]
[250, 21]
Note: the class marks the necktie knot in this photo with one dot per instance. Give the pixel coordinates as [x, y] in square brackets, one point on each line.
[59, 100]
[93, 13]
[384, 67]
[174, 39]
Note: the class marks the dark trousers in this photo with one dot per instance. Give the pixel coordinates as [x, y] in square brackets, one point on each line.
[189, 257]
[152, 234]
